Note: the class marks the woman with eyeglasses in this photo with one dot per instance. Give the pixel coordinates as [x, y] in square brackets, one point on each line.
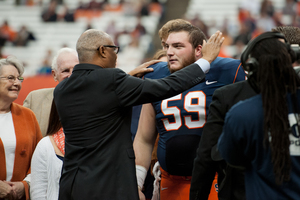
[19, 133]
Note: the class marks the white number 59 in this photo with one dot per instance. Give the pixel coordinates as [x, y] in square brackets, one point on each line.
[190, 107]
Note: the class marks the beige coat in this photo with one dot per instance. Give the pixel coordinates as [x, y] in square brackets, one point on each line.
[40, 101]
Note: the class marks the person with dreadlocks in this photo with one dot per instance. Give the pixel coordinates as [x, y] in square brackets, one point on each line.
[231, 183]
[261, 134]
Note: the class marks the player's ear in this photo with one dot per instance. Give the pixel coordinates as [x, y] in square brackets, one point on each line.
[198, 50]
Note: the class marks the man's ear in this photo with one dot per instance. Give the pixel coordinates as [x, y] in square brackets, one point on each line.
[198, 51]
[54, 75]
[102, 51]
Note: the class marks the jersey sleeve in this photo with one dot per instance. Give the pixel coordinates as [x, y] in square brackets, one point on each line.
[240, 74]
[226, 71]
[160, 70]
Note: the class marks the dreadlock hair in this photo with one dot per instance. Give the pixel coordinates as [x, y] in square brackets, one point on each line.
[276, 78]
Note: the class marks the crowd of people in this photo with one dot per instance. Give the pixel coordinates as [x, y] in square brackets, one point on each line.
[18, 38]
[186, 125]
[254, 17]
[59, 11]
[125, 35]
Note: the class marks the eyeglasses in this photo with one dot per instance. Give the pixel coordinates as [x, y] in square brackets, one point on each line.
[13, 78]
[116, 48]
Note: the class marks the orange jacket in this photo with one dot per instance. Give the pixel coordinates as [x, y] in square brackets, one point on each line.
[28, 134]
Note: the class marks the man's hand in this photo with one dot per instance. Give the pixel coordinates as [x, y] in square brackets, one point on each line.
[143, 69]
[6, 191]
[18, 189]
[211, 48]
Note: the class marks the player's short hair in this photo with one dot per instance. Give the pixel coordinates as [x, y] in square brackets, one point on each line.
[163, 33]
[196, 36]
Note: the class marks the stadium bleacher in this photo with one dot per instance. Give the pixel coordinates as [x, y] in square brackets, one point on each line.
[53, 35]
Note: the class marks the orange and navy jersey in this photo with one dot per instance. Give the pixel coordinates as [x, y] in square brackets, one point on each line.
[180, 119]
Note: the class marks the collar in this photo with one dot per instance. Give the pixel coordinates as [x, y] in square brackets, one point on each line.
[86, 66]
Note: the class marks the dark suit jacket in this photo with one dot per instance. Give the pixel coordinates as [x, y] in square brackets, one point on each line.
[94, 106]
[208, 162]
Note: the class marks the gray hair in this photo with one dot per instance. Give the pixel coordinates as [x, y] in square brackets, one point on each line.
[88, 43]
[64, 50]
[12, 60]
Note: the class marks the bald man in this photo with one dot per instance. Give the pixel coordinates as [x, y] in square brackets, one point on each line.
[94, 107]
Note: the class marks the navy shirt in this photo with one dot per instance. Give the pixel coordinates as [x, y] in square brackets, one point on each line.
[180, 119]
[241, 144]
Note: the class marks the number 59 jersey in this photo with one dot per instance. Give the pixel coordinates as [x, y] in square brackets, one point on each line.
[180, 119]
